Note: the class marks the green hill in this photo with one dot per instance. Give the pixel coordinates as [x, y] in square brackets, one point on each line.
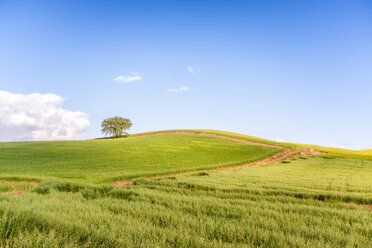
[55, 194]
[335, 152]
[107, 160]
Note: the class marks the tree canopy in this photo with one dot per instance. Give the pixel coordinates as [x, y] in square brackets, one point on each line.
[115, 126]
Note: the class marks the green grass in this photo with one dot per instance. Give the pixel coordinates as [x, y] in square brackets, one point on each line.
[306, 202]
[344, 153]
[112, 160]
[293, 146]
[333, 152]
[298, 204]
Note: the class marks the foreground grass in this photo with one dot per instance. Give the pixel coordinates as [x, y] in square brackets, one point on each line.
[308, 202]
[305, 203]
[101, 161]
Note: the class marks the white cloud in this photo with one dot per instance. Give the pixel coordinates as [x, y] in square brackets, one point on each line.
[190, 69]
[178, 90]
[129, 77]
[38, 117]
[279, 139]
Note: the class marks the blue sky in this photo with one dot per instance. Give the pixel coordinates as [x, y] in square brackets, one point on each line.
[296, 71]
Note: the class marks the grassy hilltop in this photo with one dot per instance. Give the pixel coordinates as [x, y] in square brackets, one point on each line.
[336, 152]
[107, 160]
[319, 201]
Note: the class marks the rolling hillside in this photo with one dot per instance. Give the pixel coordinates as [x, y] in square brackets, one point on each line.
[57, 194]
[106, 160]
[329, 151]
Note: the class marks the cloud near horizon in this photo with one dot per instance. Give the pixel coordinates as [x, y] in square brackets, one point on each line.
[129, 77]
[38, 117]
[185, 88]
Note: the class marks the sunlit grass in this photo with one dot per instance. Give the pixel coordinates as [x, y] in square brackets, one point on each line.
[110, 160]
[336, 152]
[298, 204]
[307, 202]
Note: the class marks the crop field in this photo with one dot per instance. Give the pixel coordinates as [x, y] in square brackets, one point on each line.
[104, 160]
[318, 201]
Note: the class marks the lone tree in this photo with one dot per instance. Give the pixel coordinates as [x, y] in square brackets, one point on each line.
[115, 126]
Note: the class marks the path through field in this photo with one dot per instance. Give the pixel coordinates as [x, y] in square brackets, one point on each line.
[277, 157]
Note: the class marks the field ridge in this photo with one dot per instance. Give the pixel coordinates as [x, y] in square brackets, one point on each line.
[275, 158]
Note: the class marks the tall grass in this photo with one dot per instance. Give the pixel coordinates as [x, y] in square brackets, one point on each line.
[297, 204]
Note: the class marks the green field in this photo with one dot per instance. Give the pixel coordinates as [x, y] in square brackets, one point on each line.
[321, 201]
[335, 152]
[105, 160]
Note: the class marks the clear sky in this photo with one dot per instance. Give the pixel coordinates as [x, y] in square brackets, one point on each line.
[296, 71]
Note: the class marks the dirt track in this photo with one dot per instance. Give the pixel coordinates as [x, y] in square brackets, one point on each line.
[277, 157]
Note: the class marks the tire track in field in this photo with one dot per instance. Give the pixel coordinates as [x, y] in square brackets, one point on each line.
[277, 157]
